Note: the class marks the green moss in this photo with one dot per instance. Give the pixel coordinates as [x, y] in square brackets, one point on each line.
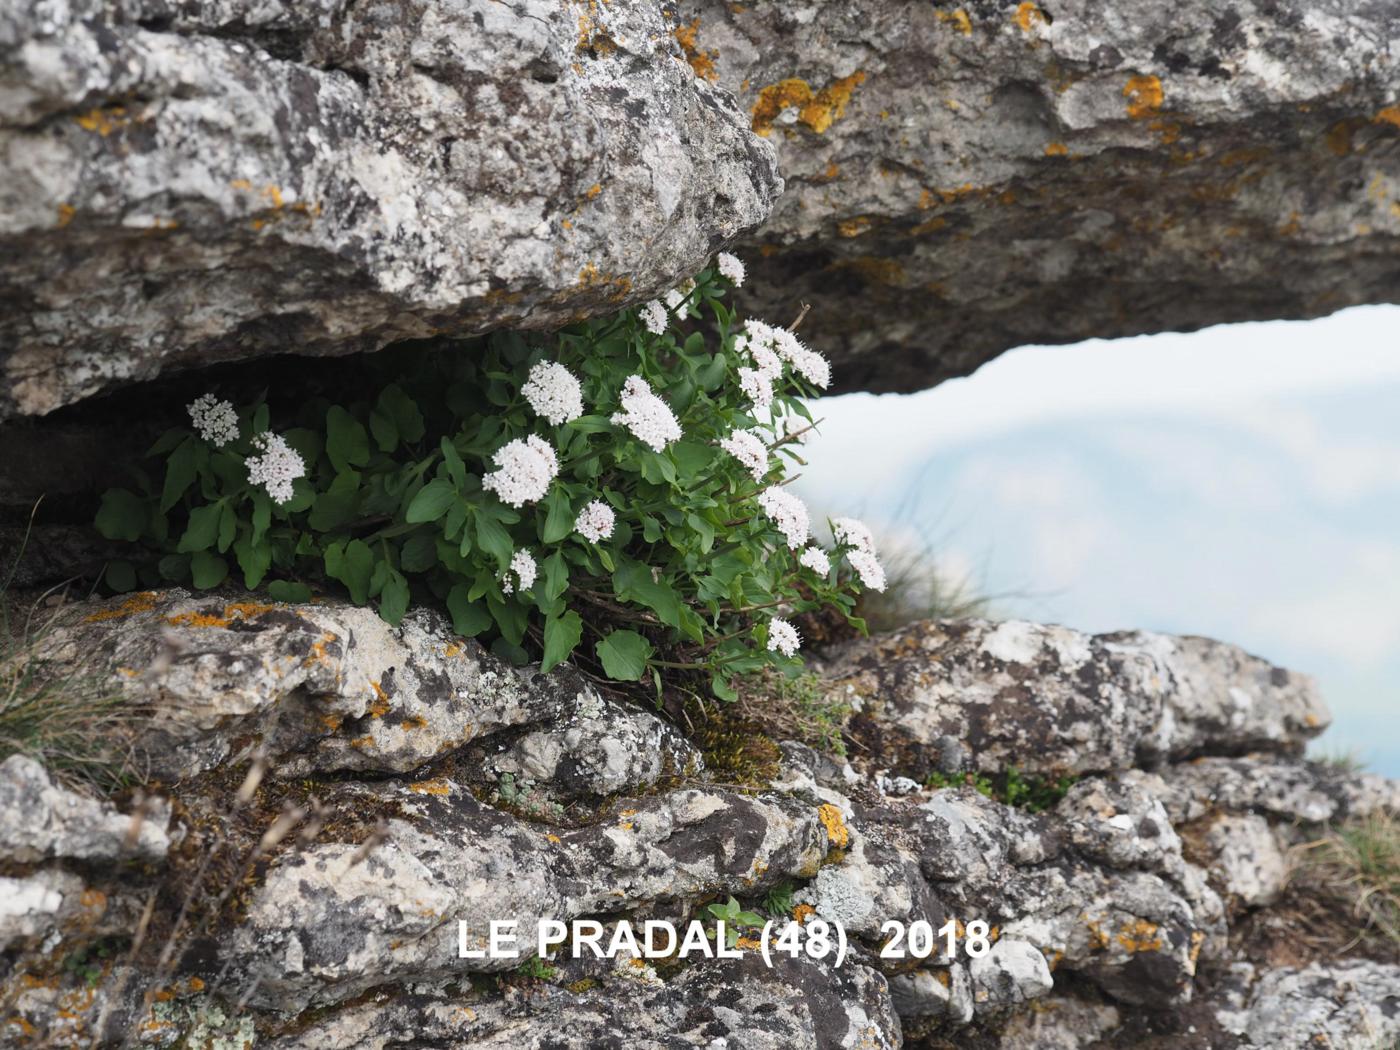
[1032, 793]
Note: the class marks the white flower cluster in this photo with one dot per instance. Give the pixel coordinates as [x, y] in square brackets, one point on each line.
[525, 469]
[595, 522]
[805, 361]
[522, 565]
[277, 467]
[678, 295]
[648, 417]
[553, 392]
[853, 533]
[216, 421]
[782, 637]
[788, 513]
[748, 447]
[654, 317]
[816, 559]
[731, 268]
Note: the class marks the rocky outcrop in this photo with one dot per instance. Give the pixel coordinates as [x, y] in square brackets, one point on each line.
[325, 850]
[964, 179]
[185, 184]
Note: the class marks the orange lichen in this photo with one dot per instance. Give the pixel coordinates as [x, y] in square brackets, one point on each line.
[702, 62]
[103, 121]
[332, 721]
[748, 943]
[1144, 95]
[593, 190]
[876, 270]
[957, 19]
[934, 224]
[415, 722]
[65, 214]
[553, 838]
[437, 786]
[1389, 115]
[1140, 936]
[834, 823]
[1057, 149]
[232, 611]
[137, 603]
[853, 227]
[803, 912]
[1028, 16]
[818, 110]
[379, 706]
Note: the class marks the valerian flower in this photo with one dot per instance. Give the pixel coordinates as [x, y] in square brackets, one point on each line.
[749, 449]
[654, 317]
[756, 386]
[788, 513]
[853, 533]
[679, 294]
[809, 364]
[553, 392]
[596, 521]
[731, 268]
[868, 568]
[525, 468]
[783, 637]
[649, 418]
[816, 559]
[523, 569]
[277, 467]
[216, 421]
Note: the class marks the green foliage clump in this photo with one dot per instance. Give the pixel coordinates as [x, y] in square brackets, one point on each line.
[733, 915]
[1033, 793]
[532, 486]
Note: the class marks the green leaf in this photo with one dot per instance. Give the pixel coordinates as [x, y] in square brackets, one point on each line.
[208, 570]
[559, 521]
[393, 599]
[386, 434]
[287, 591]
[633, 582]
[510, 617]
[561, 635]
[347, 443]
[403, 410]
[432, 501]
[720, 686]
[228, 525]
[419, 552]
[122, 515]
[456, 469]
[121, 576]
[624, 655]
[692, 457]
[492, 537]
[181, 470]
[469, 618]
[262, 515]
[254, 559]
[556, 576]
[203, 529]
[352, 565]
[174, 567]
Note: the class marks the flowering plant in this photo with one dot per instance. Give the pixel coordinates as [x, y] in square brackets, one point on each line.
[614, 493]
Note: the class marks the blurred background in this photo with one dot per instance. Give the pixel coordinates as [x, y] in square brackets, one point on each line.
[1241, 482]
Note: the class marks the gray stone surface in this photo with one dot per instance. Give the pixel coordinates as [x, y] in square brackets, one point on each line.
[1346, 1005]
[966, 178]
[1051, 699]
[183, 184]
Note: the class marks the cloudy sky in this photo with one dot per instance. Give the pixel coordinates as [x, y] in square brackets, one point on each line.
[1241, 482]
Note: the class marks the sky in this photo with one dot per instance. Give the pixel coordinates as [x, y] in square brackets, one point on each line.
[1241, 482]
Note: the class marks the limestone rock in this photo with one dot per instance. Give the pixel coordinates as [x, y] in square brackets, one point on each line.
[1350, 1006]
[964, 179]
[1246, 858]
[187, 184]
[1012, 972]
[42, 821]
[1055, 700]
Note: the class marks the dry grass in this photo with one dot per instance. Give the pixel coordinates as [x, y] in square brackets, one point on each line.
[1360, 859]
[916, 589]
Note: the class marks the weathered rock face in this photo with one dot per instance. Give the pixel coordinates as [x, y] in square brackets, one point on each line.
[347, 793]
[182, 184]
[964, 179]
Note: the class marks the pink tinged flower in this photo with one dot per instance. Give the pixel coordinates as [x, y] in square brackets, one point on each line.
[868, 568]
[731, 268]
[783, 637]
[787, 512]
[522, 571]
[216, 421]
[816, 559]
[595, 522]
[277, 467]
[649, 418]
[553, 392]
[654, 317]
[525, 468]
[749, 449]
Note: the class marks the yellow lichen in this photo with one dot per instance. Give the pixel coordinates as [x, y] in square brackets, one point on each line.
[103, 121]
[379, 706]
[1057, 149]
[802, 913]
[702, 62]
[834, 823]
[818, 110]
[1144, 95]
[1389, 115]
[853, 227]
[137, 603]
[957, 19]
[436, 786]
[65, 214]
[1140, 936]
[1028, 16]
